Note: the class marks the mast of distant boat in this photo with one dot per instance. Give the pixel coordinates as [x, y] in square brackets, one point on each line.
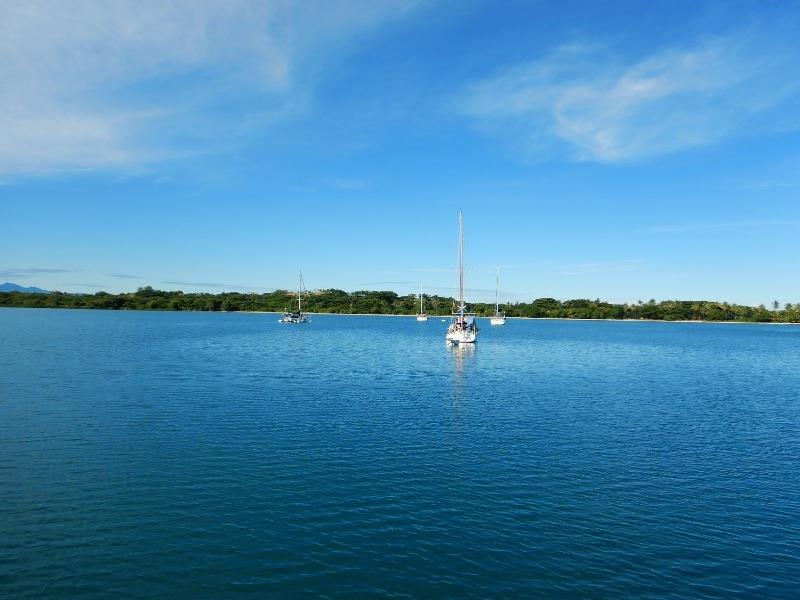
[421, 315]
[498, 318]
[497, 293]
[461, 264]
[299, 293]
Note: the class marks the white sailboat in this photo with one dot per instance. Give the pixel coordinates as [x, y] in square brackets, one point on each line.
[498, 318]
[297, 316]
[463, 328]
[422, 316]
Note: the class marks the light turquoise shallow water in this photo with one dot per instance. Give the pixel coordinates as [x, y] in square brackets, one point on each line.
[186, 454]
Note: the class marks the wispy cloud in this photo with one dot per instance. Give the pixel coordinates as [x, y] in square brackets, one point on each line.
[466, 268]
[93, 286]
[125, 276]
[414, 283]
[21, 272]
[435, 269]
[771, 185]
[468, 290]
[586, 102]
[752, 224]
[118, 85]
[589, 268]
[210, 285]
[501, 267]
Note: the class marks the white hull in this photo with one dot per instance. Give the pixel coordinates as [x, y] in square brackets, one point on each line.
[422, 317]
[294, 319]
[498, 320]
[461, 337]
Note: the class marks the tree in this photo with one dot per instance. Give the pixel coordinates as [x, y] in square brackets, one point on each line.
[387, 302]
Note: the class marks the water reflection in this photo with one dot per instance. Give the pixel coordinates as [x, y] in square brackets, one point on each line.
[463, 360]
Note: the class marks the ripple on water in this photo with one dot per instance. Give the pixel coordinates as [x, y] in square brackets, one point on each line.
[160, 454]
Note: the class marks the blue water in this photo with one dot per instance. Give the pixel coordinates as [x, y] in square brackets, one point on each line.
[212, 455]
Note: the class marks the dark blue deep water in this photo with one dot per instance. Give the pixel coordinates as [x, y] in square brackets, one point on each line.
[213, 455]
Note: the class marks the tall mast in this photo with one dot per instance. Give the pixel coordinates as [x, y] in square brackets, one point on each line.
[461, 261]
[299, 291]
[497, 292]
[420, 298]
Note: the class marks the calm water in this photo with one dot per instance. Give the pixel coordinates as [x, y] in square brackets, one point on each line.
[179, 454]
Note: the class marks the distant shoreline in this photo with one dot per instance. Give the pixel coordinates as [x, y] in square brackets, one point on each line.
[653, 320]
[430, 318]
[405, 316]
[433, 317]
[389, 303]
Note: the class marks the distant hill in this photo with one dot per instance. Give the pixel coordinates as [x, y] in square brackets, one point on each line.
[13, 287]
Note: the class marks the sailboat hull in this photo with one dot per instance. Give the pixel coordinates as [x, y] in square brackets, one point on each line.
[422, 317]
[303, 320]
[461, 337]
[498, 320]
[294, 318]
[462, 330]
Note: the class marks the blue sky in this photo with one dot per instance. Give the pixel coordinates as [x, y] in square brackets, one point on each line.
[621, 150]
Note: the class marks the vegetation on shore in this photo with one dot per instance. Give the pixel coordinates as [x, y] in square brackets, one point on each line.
[390, 303]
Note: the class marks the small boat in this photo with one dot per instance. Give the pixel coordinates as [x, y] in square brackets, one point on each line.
[422, 316]
[296, 316]
[463, 328]
[498, 318]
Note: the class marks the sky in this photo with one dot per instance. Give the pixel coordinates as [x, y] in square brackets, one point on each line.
[622, 151]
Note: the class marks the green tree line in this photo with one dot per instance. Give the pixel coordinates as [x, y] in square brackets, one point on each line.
[390, 303]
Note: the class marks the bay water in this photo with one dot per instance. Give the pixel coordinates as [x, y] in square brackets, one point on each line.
[177, 455]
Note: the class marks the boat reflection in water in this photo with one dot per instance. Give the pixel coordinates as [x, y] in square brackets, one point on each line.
[463, 361]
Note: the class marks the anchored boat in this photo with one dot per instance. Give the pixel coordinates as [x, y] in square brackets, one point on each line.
[296, 316]
[498, 318]
[463, 328]
[422, 316]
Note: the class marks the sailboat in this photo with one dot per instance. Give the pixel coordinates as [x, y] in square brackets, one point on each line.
[422, 316]
[498, 318]
[297, 316]
[463, 328]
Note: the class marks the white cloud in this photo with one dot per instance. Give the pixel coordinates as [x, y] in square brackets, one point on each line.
[584, 100]
[121, 83]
